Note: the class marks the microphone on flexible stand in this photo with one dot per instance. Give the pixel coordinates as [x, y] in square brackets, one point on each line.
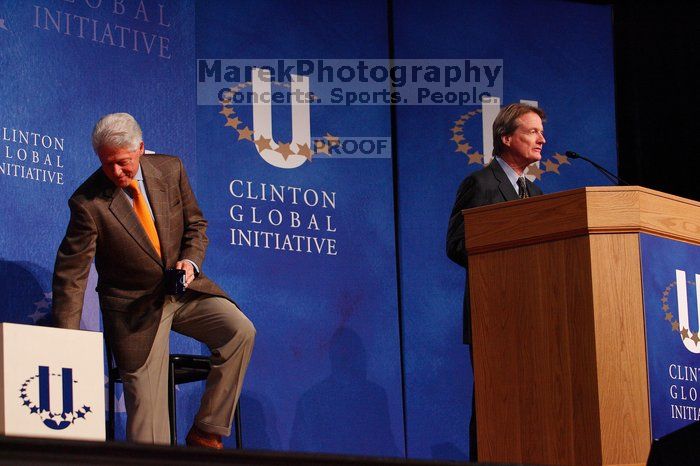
[610, 176]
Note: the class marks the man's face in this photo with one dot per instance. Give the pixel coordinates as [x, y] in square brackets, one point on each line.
[524, 146]
[120, 164]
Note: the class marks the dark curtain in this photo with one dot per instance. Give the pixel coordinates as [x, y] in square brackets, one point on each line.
[656, 95]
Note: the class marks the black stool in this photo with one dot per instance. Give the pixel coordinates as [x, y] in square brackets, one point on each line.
[183, 368]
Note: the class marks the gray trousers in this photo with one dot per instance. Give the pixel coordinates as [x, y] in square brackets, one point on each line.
[228, 333]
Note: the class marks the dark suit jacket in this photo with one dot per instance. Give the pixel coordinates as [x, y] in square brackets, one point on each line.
[104, 226]
[489, 185]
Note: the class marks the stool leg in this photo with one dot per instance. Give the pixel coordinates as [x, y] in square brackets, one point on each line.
[110, 392]
[172, 404]
[237, 420]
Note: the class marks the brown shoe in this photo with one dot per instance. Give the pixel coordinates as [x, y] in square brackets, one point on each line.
[198, 438]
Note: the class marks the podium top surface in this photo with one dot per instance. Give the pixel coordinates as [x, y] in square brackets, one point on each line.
[578, 212]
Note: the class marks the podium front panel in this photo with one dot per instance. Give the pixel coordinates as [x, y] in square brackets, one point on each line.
[671, 275]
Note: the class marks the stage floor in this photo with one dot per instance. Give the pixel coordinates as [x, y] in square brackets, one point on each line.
[24, 451]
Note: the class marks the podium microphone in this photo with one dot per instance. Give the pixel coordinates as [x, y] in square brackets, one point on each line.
[610, 176]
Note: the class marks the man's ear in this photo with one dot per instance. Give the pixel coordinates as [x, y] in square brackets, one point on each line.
[505, 139]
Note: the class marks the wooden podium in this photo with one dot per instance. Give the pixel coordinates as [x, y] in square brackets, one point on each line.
[558, 325]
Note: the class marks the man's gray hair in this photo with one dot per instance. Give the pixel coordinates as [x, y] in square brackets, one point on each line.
[116, 130]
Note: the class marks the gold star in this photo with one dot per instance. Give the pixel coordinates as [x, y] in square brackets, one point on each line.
[476, 157]
[226, 111]
[262, 143]
[535, 171]
[43, 304]
[456, 129]
[457, 138]
[465, 116]
[463, 148]
[459, 123]
[695, 338]
[551, 166]
[333, 140]
[285, 150]
[245, 133]
[305, 150]
[669, 316]
[674, 326]
[321, 147]
[684, 333]
[665, 293]
[664, 299]
[664, 307]
[562, 159]
[233, 122]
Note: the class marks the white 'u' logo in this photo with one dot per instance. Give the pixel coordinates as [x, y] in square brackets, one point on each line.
[262, 118]
[683, 320]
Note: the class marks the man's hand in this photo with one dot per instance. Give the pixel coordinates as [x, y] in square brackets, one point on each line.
[189, 271]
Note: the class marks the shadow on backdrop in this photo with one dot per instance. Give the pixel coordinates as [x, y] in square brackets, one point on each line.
[258, 423]
[345, 412]
[25, 289]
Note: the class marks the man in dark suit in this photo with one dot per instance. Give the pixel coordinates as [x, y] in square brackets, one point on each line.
[518, 137]
[137, 216]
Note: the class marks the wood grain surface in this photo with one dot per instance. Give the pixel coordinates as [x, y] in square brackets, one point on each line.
[558, 325]
[630, 209]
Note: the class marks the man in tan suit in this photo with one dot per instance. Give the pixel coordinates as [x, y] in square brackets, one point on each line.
[137, 216]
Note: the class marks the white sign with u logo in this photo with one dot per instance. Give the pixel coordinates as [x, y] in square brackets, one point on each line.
[52, 383]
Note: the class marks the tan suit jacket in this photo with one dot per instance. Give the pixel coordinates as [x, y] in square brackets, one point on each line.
[103, 226]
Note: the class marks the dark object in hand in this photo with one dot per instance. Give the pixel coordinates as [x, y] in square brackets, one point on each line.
[174, 281]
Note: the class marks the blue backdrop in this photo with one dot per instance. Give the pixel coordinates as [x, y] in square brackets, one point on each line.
[326, 374]
[58, 79]
[339, 365]
[558, 54]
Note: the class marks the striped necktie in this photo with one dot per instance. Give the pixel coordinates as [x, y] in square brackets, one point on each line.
[522, 188]
[144, 215]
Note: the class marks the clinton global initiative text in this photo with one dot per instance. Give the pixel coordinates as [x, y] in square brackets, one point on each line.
[282, 218]
[283, 242]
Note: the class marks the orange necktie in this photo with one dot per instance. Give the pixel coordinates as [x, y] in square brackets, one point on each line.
[144, 215]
